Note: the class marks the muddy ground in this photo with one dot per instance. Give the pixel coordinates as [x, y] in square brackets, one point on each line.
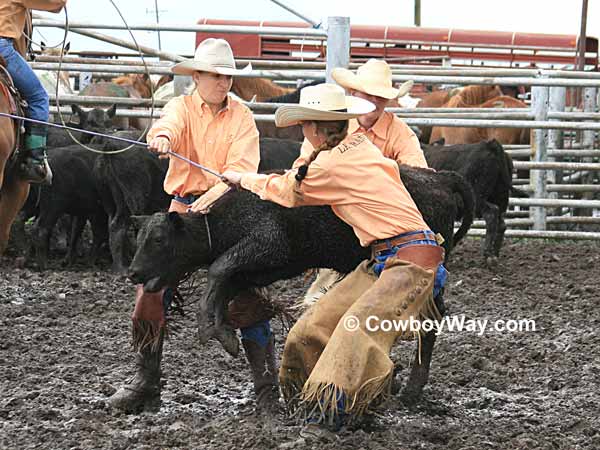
[64, 347]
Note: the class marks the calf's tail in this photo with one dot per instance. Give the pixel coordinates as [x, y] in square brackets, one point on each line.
[463, 190]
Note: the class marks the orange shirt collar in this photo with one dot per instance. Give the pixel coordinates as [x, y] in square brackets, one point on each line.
[380, 128]
[204, 106]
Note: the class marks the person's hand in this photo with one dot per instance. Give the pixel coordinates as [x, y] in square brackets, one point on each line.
[198, 207]
[160, 145]
[232, 178]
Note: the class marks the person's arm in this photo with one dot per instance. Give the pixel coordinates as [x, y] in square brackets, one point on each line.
[53, 6]
[243, 156]
[166, 133]
[317, 188]
[406, 148]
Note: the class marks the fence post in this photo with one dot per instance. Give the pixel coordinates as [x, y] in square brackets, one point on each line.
[558, 101]
[338, 44]
[538, 178]
[589, 105]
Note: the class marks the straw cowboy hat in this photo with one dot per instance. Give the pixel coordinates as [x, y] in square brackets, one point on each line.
[324, 101]
[212, 55]
[374, 77]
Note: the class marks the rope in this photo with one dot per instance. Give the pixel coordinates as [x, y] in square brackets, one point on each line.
[60, 61]
[115, 138]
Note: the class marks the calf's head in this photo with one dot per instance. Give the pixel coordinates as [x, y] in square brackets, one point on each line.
[95, 119]
[168, 247]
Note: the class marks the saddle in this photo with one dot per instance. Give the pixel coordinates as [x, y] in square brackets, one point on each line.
[17, 106]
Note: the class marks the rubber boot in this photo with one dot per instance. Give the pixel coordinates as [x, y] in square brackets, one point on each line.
[34, 166]
[264, 373]
[143, 391]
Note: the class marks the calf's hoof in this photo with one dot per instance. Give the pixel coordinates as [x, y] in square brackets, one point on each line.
[491, 262]
[228, 339]
[411, 396]
[224, 334]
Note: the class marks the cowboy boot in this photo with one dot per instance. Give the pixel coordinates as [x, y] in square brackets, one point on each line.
[34, 165]
[143, 391]
[264, 372]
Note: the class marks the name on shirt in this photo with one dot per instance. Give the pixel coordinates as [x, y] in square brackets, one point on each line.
[354, 141]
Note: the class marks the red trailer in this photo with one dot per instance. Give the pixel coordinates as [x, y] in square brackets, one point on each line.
[414, 44]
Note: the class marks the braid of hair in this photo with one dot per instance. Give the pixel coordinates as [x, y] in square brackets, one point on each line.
[335, 131]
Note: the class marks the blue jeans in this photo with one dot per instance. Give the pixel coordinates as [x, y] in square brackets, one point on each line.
[441, 273]
[25, 81]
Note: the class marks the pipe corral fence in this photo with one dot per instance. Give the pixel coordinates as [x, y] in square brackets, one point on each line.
[562, 159]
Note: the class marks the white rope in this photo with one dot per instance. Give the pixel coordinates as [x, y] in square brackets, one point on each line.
[113, 152]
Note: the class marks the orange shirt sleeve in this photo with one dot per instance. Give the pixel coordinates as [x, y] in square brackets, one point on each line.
[405, 146]
[44, 5]
[172, 123]
[318, 187]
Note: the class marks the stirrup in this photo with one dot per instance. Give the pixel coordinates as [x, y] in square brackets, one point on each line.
[35, 169]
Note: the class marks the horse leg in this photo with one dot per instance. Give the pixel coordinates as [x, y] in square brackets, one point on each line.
[12, 198]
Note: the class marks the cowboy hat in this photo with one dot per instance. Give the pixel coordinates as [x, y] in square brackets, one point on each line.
[212, 55]
[323, 101]
[374, 77]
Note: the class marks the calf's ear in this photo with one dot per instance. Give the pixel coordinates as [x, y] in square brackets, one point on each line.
[112, 111]
[175, 220]
[139, 221]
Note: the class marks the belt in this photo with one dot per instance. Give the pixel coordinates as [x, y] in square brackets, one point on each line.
[186, 199]
[386, 244]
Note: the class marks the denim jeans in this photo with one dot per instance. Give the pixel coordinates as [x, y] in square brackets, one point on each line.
[441, 273]
[25, 81]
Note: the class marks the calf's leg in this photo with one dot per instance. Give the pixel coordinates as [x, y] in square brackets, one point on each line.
[77, 226]
[249, 255]
[499, 236]
[491, 215]
[117, 239]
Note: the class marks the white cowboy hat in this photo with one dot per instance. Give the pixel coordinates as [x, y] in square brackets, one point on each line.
[212, 55]
[374, 77]
[324, 101]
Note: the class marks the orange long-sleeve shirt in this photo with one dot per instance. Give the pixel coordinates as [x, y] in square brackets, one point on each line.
[227, 141]
[391, 135]
[14, 12]
[362, 186]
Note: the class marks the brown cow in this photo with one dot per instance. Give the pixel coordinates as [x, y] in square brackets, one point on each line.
[437, 99]
[259, 89]
[475, 97]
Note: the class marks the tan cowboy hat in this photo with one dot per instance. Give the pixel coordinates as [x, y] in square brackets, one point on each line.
[374, 77]
[324, 101]
[212, 55]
